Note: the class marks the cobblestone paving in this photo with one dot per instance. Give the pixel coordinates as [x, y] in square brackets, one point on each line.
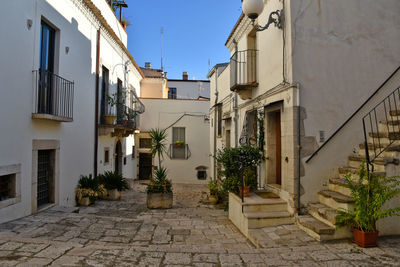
[125, 233]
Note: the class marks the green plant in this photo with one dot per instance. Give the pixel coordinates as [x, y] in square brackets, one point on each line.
[213, 187]
[89, 186]
[160, 183]
[179, 143]
[370, 193]
[113, 180]
[158, 145]
[250, 178]
[125, 22]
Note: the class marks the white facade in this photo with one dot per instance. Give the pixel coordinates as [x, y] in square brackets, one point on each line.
[192, 115]
[70, 142]
[190, 89]
[311, 76]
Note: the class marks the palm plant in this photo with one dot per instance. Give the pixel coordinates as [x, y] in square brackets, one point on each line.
[158, 145]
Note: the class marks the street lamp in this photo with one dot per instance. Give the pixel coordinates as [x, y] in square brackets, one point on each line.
[253, 8]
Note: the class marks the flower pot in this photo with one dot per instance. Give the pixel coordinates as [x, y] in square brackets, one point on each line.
[213, 199]
[365, 239]
[113, 194]
[159, 200]
[245, 192]
[85, 201]
[109, 119]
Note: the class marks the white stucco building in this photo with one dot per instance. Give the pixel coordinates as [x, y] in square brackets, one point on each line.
[308, 84]
[176, 107]
[53, 65]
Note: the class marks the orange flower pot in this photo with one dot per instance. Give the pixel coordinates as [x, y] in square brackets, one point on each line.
[365, 239]
[245, 192]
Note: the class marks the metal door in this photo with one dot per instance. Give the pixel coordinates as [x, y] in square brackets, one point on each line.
[43, 177]
[145, 166]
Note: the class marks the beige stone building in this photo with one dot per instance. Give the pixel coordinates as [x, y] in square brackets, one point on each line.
[302, 86]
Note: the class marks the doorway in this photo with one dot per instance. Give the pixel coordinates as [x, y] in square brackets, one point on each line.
[118, 158]
[274, 147]
[45, 178]
[145, 166]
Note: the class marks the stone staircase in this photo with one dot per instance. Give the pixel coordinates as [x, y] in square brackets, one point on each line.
[321, 221]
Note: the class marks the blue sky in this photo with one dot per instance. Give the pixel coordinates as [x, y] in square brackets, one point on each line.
[194, 32]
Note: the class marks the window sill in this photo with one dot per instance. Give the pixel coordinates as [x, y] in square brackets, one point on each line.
[41, 116]
[9, 202]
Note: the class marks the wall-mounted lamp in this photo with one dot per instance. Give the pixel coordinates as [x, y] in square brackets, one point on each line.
[137, 131]
[253, 9]
[29, 23]
[67, 50]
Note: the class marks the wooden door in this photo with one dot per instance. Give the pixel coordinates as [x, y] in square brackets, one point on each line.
[145, 166]
[278, 149]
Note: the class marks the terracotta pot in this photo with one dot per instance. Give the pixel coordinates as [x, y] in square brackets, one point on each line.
[109, 119]
[365, 239]
[85, 201]
[213, 199]
[246, 191]
[159, 200]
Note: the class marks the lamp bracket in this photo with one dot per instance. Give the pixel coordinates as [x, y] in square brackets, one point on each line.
[276, 17]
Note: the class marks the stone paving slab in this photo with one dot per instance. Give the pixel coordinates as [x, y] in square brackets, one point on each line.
[126, 233]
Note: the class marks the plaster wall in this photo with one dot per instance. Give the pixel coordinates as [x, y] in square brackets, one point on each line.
[152, 88]
[190, 89]
[164, 112]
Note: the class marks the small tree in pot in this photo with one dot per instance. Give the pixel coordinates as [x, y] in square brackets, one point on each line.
[115, 183]
[159, 190]
[370, 194]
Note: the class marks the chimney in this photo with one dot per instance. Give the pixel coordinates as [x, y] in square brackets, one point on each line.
[147, 65]
[185, 76]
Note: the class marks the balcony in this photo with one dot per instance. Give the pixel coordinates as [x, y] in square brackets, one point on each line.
[54, 97]
[179, 151]
[243, 67]
[120, 120]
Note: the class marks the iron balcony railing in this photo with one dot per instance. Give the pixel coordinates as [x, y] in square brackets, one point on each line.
[54, 95]
[127, 117]
[381, 127]
[179, 151]
[243, 67]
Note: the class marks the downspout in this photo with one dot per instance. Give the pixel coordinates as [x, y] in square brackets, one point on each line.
[215, 124]
[299, 151]
[96, 112]
[236, 106]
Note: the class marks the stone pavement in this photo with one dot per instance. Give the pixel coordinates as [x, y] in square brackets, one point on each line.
[125, 233]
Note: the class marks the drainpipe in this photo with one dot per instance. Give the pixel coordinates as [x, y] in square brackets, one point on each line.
[299, 151]
[96, 112]
[235, 108]
[215, 123]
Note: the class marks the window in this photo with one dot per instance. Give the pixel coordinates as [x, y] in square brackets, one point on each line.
[120, 102]
[145, 143]
[7, 187]
[171, 93]
[10, 185]
[178, 143]
[133, 152]
[46, 68]
[219, 117]
[105, 108]
[106, 155]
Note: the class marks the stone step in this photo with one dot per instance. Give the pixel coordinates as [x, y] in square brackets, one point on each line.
[271, 207]
[388, 135]
[319, 230]
[377, 161]
[394, 113]
[354, 172]
[394, 122]
[267, 219]
[323, 213]
[392, 148]
[335, 200]
[339, 185]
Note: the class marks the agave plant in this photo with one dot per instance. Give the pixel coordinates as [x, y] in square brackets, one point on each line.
[158, 146]
[160, 183]
[370, 194]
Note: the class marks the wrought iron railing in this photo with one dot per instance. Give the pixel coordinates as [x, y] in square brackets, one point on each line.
[179, 151]
[54, 95]
[126, 117]
[243, 67]
[381, 127]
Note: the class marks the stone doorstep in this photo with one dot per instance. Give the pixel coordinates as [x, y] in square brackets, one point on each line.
[267, 215]
[336, 196]
[326, 213]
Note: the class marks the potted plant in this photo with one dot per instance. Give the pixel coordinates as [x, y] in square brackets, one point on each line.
[114, 183]
[159, 190]
[214, 191]
[88, 190]
[179, 143]
[109, 116]
[125, 23]
[370, 193]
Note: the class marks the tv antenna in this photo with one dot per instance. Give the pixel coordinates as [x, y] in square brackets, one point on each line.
[162, 35]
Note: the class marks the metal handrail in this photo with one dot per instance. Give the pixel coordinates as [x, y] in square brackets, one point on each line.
[54, 95]
[243, 68]
[384, 114]
[172, 155]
